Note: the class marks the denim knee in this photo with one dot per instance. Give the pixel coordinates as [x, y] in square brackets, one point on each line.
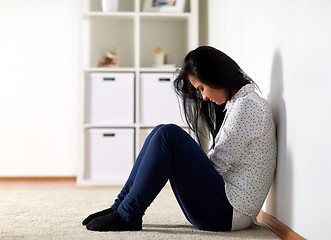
[170, 127]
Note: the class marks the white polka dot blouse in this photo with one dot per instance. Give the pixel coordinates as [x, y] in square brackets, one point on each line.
[246, 150]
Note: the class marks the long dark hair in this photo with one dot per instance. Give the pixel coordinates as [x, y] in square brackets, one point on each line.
[215, 69]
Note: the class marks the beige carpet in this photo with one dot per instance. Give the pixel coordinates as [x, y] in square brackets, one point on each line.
[47, 214]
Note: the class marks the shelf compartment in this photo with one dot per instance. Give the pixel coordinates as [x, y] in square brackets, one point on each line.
[123, 5]
[187, 7]
[104, 34]
[170, 34]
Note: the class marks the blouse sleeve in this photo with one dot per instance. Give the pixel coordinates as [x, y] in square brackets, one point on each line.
[244, 122]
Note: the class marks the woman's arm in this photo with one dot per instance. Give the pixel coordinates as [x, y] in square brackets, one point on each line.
[245, 122]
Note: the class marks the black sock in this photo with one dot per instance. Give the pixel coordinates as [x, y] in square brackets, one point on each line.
[111, 222]
[97, 214]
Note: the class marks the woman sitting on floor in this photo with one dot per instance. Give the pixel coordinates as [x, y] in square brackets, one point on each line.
[221, 191]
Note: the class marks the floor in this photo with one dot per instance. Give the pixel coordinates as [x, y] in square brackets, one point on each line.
[50, 184]
[33, 184]
[54, 209]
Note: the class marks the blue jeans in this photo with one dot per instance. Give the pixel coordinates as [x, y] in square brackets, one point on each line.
[170, 153]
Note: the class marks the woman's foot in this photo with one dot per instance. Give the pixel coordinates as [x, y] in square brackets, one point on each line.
[97, 214]
[111, 222]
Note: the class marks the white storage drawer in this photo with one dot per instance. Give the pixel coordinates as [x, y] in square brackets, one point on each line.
[109, 98]
[109, 153]
[159, 103]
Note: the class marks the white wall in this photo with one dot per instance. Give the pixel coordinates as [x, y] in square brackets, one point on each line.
[285, 47]
[39, 68]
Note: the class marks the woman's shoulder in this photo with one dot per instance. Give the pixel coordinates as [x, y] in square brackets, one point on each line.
[252, 102]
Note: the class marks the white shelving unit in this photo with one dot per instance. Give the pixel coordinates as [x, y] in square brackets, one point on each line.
[133, 33]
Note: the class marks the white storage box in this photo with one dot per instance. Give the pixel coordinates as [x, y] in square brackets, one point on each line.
[159, 103]
[109, 154]
[109, 98]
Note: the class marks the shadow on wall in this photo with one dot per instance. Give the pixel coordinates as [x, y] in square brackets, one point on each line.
[280, 199]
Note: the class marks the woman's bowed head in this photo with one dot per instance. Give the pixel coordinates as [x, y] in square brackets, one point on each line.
[207, 79]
